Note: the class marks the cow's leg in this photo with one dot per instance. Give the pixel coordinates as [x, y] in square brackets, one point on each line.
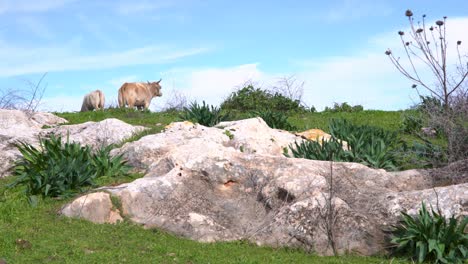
[147, 103]
[131, 103]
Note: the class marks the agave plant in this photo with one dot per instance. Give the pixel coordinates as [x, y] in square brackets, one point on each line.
[430, 237]
[368, 145]
[206, 115]
[61, 169]
[326, 150]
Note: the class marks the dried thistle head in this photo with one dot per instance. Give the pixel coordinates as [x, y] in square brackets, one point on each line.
[424, 15]
[408, 13]
[445, 17]
[419, 30]
[388, 52]
[431, 28]
[407, 43]
[414, 86]
[428, 42]
[459, 42]
[401, 33]
[439, 22]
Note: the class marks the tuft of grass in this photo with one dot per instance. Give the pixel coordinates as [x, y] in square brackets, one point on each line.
[229, 134]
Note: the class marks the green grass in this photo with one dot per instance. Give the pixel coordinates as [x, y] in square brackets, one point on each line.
[390, 120]
[52, 238]
[133, 117]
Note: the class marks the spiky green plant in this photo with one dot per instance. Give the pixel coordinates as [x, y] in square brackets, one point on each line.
[318, 151]
[206, 115]
[430, 237]
[372, 146]
[59, 169]
[368, 145]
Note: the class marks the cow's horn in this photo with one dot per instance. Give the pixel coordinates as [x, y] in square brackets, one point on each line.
[159, 80]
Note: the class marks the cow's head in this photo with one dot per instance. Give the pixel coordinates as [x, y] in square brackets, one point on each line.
[155, 88]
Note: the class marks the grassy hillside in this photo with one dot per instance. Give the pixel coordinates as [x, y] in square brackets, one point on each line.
[385, 119]
[40, 235]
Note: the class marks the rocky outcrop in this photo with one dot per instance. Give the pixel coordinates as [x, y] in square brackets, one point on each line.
[95, 134]
[17, 126]
[232, 182]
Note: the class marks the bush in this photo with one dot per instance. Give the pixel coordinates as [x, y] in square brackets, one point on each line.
[255, 99]
[430, 103]
[206, 115]
[412, 123]
[276, 120]
[60, 170]
[344, 107]
[430, 237]
[423, 153]
[368, 145]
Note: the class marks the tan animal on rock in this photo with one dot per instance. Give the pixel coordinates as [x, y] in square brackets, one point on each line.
[93, 100]
[138, 94]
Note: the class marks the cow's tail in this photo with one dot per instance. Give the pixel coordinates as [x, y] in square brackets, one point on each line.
[101, 99]
[121, 97]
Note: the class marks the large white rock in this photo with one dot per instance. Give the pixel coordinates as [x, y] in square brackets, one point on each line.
[96, 207]
[200, 184]
[17, 126]
[95, 134]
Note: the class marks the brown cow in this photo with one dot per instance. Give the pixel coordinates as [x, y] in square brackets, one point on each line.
[93, 100]
[138, 94]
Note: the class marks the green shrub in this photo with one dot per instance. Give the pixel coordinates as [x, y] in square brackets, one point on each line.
[430, 237]
[60, 170]
[278, 120]
[430, 103]
[423, 152]
[344, 107]
[255, 99]
[206, 115]
[412, 123]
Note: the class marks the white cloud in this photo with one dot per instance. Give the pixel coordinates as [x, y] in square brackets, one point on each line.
[209, 84]
[117, 82]
[61, 103]
[18, 61]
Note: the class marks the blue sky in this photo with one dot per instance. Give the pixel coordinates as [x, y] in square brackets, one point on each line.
[205, 49]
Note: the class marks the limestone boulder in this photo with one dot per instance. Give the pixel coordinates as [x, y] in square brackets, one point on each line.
[16, 125]
[201, 185]
[96, 207]
[95, 134]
